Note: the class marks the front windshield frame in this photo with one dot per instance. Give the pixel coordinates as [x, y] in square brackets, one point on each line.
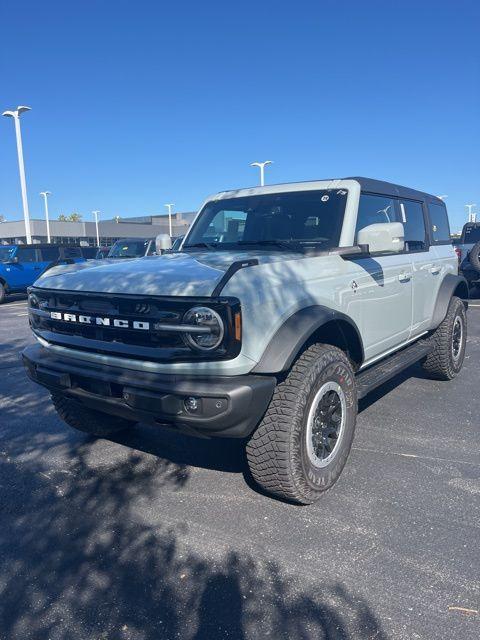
[293, 206]
[6, 253]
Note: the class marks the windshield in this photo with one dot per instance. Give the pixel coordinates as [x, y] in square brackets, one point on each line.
[294, 220]
[129, 249]
[472, 235]
[6, 253]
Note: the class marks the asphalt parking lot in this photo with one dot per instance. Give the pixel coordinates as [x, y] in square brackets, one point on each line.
[157, 536]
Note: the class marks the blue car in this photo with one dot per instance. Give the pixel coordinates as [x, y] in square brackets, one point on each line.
[21, 265]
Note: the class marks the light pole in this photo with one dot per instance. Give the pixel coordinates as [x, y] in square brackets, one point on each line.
[471, 216]
[21, 166]
[169, 207]
[95, 213]
[45, 195]
[261, 166]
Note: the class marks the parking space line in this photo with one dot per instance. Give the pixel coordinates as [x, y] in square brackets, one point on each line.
[14, 304]
[21, 314]
[414, 456]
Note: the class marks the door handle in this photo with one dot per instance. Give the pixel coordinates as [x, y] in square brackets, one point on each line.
[435, 270]
[404, 277]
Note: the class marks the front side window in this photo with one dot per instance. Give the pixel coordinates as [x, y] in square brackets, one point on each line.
[27, 255]
[6, 253]
[280, 220]
[374, 209]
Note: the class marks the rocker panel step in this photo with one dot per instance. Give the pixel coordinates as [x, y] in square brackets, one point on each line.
[379, 373]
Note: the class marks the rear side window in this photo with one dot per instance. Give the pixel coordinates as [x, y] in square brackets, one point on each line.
[440, 228]
[72, 252]
[414, 225]
[27, 255]
[49, 254]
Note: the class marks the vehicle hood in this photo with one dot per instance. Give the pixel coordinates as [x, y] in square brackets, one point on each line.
[175, 274]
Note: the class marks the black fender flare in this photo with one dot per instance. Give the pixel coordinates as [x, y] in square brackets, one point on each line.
[289, 339]
[451, 285]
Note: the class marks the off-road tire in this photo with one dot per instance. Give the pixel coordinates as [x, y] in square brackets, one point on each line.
[88, 420]
[277, 450]
[474, 256]
[440, 362]
[3, 294]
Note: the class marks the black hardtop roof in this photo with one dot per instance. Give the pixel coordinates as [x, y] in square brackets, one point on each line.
[390, 189]
[40, 245]
[142, 239]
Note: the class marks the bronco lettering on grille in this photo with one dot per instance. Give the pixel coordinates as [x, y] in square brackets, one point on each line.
[119, 323]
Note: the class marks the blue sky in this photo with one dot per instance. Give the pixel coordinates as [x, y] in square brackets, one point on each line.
[135, 104]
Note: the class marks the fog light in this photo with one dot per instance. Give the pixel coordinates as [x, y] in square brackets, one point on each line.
[191, 404]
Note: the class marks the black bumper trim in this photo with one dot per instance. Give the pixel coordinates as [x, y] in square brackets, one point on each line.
[227, 406]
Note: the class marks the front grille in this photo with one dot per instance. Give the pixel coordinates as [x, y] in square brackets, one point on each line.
[136, 311]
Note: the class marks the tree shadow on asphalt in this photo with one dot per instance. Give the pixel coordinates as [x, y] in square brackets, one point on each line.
[79, 561]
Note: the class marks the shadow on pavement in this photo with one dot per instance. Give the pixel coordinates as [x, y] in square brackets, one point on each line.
[78, 561]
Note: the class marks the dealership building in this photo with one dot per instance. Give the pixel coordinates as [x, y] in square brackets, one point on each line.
[85, 234]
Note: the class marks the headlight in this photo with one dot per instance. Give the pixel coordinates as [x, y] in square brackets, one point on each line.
[205, 318]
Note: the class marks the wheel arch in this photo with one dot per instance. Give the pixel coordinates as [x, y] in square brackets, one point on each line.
[451, 286]
[305, 327]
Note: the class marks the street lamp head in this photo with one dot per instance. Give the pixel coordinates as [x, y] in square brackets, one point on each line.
[261, 164]
[18, 112]
[45, 193]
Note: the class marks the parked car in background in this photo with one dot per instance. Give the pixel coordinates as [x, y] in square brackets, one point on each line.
[102, 252]
[132, 248]
[21, 265]
[467, 248]
[95, 253]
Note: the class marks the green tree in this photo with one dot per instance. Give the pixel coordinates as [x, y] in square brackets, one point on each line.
[62, 217]
[75, 217]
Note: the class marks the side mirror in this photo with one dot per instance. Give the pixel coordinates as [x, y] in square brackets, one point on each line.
[383, 237]
[14, 260]
[163, 242]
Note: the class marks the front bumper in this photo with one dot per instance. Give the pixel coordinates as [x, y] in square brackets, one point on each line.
[226, 406]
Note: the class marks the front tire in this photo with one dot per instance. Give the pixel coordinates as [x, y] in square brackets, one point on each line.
[449, 342]
[301, 446]
[88, 420]
[3, 293]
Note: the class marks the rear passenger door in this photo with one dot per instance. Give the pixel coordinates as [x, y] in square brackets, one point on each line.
[424, 268]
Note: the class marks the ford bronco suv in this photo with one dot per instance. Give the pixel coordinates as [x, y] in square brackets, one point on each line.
[285, 305]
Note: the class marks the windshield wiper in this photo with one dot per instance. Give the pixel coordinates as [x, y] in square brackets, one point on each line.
[200, 245]
[287, 245]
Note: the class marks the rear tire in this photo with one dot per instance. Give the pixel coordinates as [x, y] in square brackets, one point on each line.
[87, 420]
[299, 449]
[3, 294]
[449, 343]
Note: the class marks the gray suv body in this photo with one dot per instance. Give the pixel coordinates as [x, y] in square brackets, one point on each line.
[284, 305]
